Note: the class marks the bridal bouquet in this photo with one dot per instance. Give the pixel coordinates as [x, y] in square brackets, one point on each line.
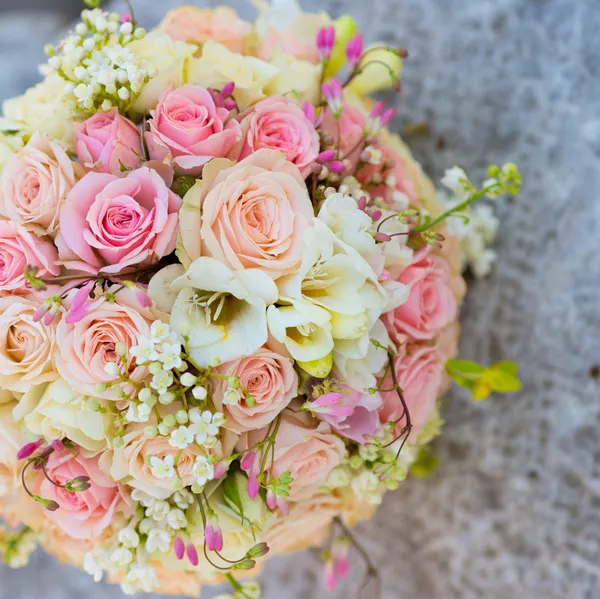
[228, 297]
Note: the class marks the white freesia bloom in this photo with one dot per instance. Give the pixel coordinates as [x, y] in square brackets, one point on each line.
[359, 372]
[353, 226]
[303, 327]
[221, 313]
[456, 180]
[219, 65]
[336, 278]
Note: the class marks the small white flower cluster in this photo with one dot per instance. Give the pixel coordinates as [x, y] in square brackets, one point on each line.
[100, 69]
[16, 549]
[151, 531]
[477, 230]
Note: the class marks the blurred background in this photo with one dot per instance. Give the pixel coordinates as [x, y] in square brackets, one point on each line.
[514, 508]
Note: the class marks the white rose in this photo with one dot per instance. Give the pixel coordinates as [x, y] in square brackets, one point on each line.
[12, 438]
[158, 51]
[219, 66]
[56, 411]
[46, 108]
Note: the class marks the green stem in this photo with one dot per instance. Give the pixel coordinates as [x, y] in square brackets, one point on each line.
[459, 208]
[237, 587]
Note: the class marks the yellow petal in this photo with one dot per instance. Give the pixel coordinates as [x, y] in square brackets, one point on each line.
[318, 368]
[381, 68]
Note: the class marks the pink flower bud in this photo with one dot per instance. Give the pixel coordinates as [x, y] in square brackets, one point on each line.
[333, 94]
[192, 554]
[354, 50]
[387, 116]
[248, 460]
[126, 18]
[49, 317]
[58, 445]
[253, 486]
[283, 506]
[381, 236]
[326, 156]
[81, 296]
[28, 450]
[213, 536]
[142, 298]
[326, 42]
[362, 203]
[179, 548]
[40, 313]
[227, 89]
[310, 112]
[330, 578]
[376, 215]
[337, 166]
[271, 500]
[230, 104]
[221, 470]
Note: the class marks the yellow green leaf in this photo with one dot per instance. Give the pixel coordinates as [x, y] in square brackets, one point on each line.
[481, 391]
[380, 67]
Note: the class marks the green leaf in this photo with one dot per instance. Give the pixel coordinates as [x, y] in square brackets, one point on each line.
[92, 3]
[502, 381]
[506, 366]
[425, 463]
[231, 490]
[464, 369]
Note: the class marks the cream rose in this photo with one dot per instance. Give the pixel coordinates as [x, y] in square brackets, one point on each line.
[35, 183]
[12, 438]
[131, 463]
[57, 411]
[304, 447]
[268, 377]
[169, 58]
[9, 144]
[27, 348]
[85, 347]
[47, 108]
[299, 79]
[253, 214]
[218, 66]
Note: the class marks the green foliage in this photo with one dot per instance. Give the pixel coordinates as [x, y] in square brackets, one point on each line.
[92, 3]
[425, 463]
[482, 381]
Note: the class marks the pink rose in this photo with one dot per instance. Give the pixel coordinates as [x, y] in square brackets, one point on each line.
[109, 223]
[107, 141]
[306, 448]
[431, 305]
[20, 247]
[348, 132]
[362, 423]
[35, 183]
[86, 346]
[196, 25]
[83, 515]
[278, 123]
[268, 377]
[420, 372]
[189, 128]
[251, 215]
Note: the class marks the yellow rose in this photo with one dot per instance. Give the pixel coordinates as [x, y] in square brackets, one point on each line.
[46, 108]
[56, 411]
[218, 66]
[169, 58]
[380, 68]
[9, 145]
[298, 79]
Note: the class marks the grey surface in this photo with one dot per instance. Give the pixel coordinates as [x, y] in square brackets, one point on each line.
[514, 509]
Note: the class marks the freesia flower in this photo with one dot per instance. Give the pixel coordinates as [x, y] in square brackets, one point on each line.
[221, 313]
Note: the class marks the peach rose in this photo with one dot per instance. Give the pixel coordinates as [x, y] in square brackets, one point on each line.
[420, 372]
[270, 379]
[84, 515]
[27, 348]
[188, 128]
[278, 123]
[196, 25]
[254, 214]
[108, 142]
[431, 305]
[86, 346]
[22, 246]
[110, 223]
[35, 183]
[306, 526]
[131, 463]
[306, 448]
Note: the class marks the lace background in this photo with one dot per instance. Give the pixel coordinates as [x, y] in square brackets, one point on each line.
[514, 508]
